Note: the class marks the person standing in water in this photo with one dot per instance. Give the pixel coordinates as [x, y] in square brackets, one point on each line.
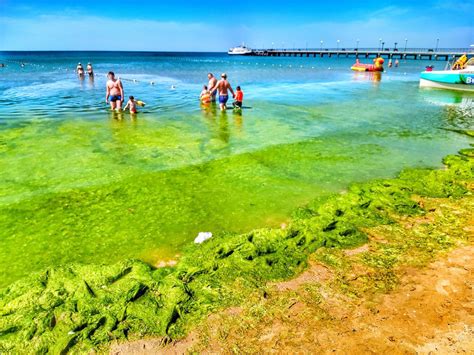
[211, 85]
[224, 87]
[89, 69]
[131, 105]
[80, 69]
[114, 92]
[239, 98]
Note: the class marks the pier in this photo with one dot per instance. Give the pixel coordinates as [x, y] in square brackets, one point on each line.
[412, 53]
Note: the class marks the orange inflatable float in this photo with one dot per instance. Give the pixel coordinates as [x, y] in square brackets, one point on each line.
[377, 66]
[206, 98]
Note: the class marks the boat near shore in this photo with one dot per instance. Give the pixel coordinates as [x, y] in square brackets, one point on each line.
[240, 50]
[459, 79]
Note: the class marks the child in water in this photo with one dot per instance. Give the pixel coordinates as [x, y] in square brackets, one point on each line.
[205, 96]
[131, 105]
[239, 97]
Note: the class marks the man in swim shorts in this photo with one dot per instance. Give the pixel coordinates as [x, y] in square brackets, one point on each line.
[114, 92]
[212, 84]
[223, 86]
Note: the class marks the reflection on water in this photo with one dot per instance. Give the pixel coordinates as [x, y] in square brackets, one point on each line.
[375, 77]
[238, 120]
[224, 132]
[218, 120]
[91, 81]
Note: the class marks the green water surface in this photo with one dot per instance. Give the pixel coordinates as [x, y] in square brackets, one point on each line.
[103, 187]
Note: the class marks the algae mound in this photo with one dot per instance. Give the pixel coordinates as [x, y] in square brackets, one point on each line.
[81, 307]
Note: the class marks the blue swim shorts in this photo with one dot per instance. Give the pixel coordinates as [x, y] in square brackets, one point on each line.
[113, 98]
[223, 99]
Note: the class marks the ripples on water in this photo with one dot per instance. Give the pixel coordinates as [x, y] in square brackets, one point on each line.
[100, 186]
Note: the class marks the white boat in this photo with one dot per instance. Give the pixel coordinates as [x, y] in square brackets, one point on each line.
[461, 79]
[240, 50]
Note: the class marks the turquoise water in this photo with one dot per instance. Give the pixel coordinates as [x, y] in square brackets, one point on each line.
[79, 183]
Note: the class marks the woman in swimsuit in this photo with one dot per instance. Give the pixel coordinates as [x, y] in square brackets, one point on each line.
[90, 71]
[80, 70]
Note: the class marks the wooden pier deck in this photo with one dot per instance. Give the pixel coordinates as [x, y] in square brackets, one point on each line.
[428, 54]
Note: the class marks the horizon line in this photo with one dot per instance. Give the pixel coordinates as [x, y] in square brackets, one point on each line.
[104, 50]
[217, 52]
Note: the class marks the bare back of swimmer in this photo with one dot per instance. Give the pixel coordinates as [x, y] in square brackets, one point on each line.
[223, 86]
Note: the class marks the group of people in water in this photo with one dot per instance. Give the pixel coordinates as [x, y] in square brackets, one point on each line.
[80, 70]
[216, 89]
[114, 94]
[223, 87]
[397, 63]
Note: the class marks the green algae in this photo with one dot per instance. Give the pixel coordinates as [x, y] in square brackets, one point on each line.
[106, 190]
[83, 307]
[469, 152]
[116, 201]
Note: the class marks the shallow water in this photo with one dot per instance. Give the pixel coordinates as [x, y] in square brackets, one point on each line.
[78, 183]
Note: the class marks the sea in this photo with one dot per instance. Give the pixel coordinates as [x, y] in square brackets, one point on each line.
[82, 184]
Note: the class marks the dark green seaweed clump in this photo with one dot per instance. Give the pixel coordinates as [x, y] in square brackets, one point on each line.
[81, 307]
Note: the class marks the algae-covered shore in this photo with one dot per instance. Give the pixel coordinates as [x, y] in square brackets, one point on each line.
[85, 307]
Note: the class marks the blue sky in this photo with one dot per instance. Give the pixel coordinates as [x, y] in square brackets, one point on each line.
[191, 25]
